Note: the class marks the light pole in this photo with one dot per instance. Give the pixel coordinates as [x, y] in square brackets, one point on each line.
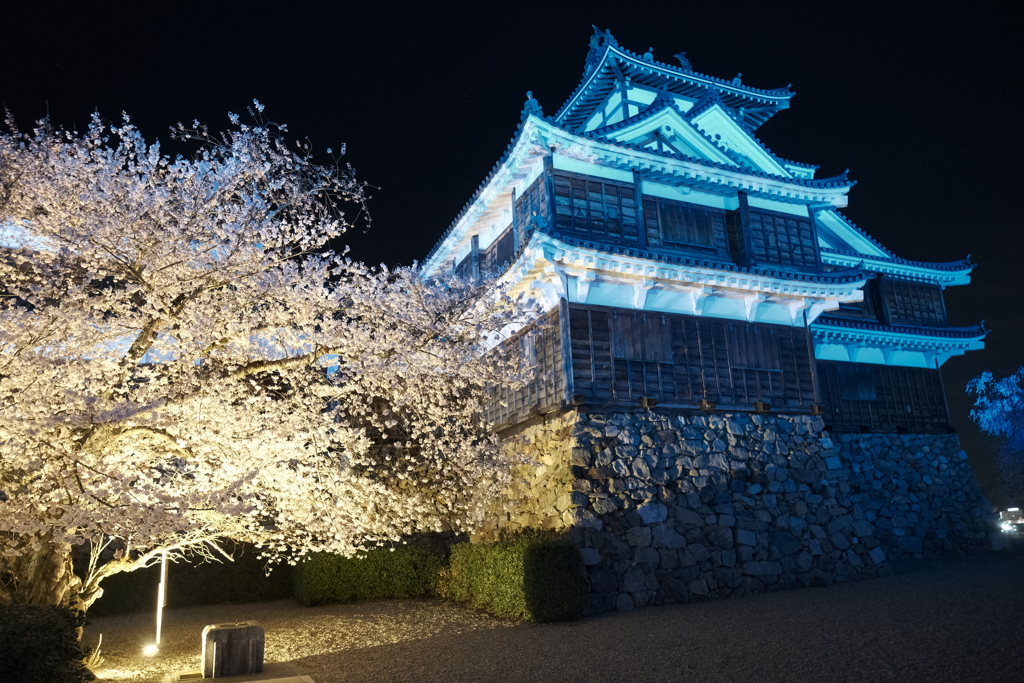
[161, 600]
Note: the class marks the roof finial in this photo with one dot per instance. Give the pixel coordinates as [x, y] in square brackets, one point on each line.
[649, 55]
[532, 106]
[737, 81]
[598, 42]
[683, 61]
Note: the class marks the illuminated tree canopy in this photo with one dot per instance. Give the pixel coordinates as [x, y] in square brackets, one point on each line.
[183, 359]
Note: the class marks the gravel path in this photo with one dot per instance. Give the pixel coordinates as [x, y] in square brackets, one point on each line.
[955, 620]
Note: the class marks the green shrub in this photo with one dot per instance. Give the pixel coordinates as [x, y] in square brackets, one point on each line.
[532, 577]
[40, 645]
[405, 572]
[196, 583]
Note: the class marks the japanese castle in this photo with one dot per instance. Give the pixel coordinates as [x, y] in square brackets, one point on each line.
[684, 265]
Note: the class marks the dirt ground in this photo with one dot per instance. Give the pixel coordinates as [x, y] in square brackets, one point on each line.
[956, 619]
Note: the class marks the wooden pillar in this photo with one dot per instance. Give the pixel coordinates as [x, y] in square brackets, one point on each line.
[474, 257]
[745, 238]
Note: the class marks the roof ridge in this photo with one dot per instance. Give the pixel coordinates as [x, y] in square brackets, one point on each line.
[603, 42]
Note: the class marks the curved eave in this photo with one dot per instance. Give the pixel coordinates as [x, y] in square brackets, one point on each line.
[830, 324]
[946, 274]
[672, 261]
[634, 263]
[866, 342]
[664, 76]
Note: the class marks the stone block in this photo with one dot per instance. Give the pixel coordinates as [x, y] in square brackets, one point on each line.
[744, 537]
[634, 579]
[833, 462]
[877, 555]
[668, 537]
[646, 555]
[653, 513]
[624, 603]
[840, 523]
[862, 528]
[997, 540]
[786, 542]
[699, 552]
[590, 556]
[699, 587]
[232, 649]
[639, 536]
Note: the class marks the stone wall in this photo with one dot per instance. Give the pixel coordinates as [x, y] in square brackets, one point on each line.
[667, 509]
[542, 493]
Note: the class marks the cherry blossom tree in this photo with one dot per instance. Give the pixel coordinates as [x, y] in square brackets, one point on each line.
[184, 360]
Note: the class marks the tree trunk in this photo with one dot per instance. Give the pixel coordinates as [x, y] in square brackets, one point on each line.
[45, 576]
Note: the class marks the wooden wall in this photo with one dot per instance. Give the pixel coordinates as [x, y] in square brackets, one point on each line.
[880, 398]
[541, 344]
[619, 356]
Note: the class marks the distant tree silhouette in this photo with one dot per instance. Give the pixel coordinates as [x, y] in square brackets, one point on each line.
[999, 411]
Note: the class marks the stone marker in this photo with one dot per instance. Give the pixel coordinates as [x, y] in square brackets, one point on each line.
[232, 649]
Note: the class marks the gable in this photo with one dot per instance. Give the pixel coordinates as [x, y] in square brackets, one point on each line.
[717, 124]
[626, 101]
[668, 130]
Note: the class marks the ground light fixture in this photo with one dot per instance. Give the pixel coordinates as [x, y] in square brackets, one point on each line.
[161, 600]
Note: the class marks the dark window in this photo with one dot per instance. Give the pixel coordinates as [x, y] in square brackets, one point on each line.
[597, 207]
[642, 337]
[753, 348]
[861, 309]
[914, 302]
[786, 240]
[532, 208]
[856, 383]
[501, 251]
[685, 223]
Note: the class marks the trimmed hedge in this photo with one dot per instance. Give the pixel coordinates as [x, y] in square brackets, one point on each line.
[405, 572]
[532, 577]
[40, 645]
[200, 583]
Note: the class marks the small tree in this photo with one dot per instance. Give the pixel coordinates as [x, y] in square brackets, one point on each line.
[176, 366]
[999, 411]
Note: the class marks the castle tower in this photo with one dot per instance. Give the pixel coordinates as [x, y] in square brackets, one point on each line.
[712, 321]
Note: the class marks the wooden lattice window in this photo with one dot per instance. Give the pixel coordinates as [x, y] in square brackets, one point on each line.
[602, 208]
[856, 382]
[677, 223]
[914, 302]
[641, 336]
[532, 208]
[786, 240]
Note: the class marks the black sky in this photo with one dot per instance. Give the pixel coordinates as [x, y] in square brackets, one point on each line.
[920, 106]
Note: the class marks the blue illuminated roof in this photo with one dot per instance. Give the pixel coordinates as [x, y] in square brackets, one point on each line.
[973, 331]
[833, 278]
[607, 61]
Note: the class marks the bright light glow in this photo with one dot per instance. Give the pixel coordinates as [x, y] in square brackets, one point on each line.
[150, 650]
[1013, 509]
[1007, 526]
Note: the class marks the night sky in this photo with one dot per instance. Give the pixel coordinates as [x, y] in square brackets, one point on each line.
[918, 106]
